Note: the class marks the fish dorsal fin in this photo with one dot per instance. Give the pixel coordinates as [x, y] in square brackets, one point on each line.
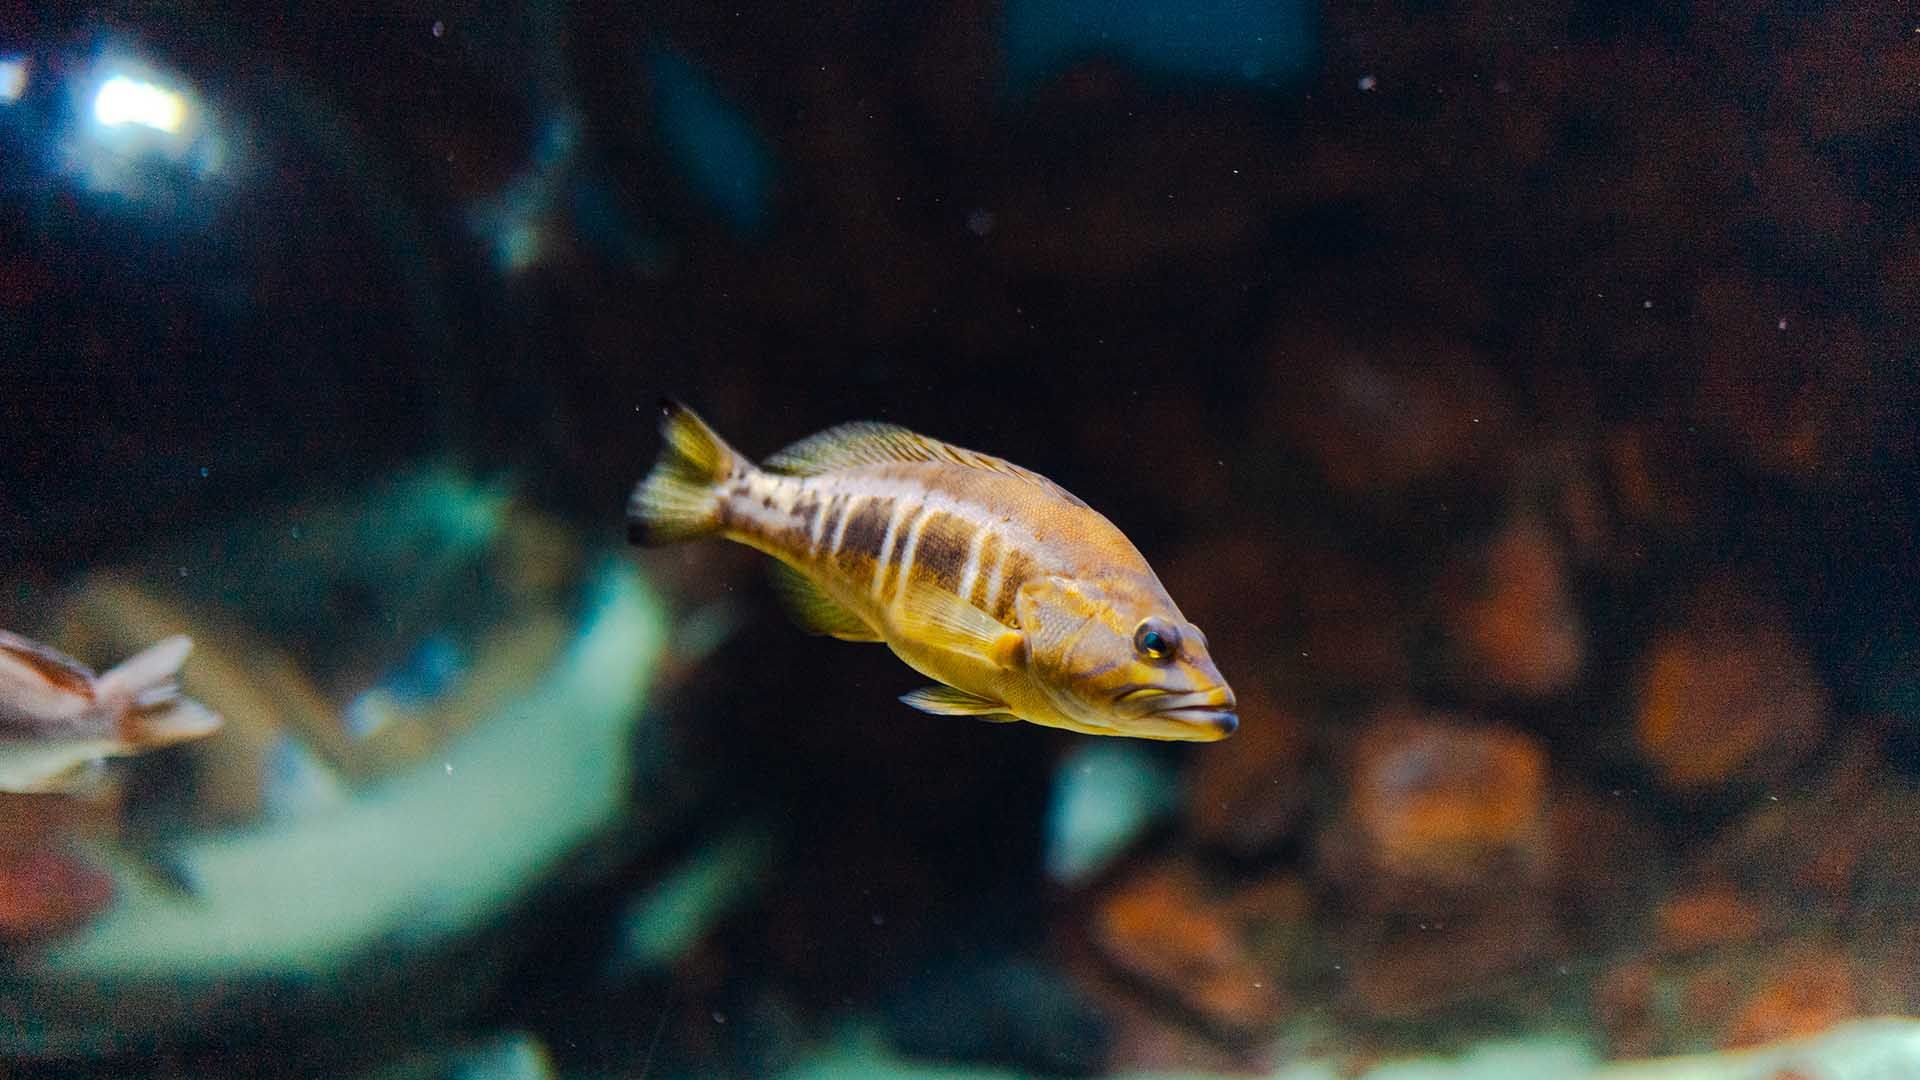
[869, 442]
[59, 669]
[946, 701]
[814, 610]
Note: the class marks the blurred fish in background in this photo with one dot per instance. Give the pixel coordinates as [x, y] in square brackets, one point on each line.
[59, 721]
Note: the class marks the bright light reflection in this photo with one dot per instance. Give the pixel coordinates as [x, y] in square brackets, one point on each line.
[13, 79]
[129, 101]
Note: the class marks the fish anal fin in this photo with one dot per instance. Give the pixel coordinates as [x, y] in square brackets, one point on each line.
[56, 667]
[814, 610]
[939, 618]
[947, 701]
[869, 442]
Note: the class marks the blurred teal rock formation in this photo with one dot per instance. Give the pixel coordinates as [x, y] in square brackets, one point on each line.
[1262, 42]
[1104, 794]
[723, 157]
[301, 908]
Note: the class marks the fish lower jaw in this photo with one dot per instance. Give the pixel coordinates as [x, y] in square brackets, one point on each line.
[1210, 724]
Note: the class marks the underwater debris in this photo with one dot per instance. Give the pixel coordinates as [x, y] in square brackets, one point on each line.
[1022, 599]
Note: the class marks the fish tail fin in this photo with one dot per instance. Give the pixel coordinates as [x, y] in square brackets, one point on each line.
[146, 694]
[170, 722]
[680, 499]
[146, 678]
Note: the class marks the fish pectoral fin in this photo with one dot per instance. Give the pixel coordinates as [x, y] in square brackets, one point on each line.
[939, 618]
[998, 718]
[947, 701]
[814, 610]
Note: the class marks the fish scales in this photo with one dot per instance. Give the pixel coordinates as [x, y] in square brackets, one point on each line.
[1017, 598]
[915, 524]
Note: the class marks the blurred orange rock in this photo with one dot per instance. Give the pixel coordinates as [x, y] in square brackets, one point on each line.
[1607, 860]
[1804, 995]
[1379, 420]
[1729, 696]
[1435, 800]
[1625, 1001]
[47, 892]
[1517, 629]
[1707, 916]
[1796, 390]
[1408, 971]
[1165, 930]
[1248, 802]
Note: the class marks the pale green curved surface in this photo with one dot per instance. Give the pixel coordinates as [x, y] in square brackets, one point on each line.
[1884, 1049]
[442, 847]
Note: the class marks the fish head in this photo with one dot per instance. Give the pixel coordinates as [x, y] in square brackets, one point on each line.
[1117, 658]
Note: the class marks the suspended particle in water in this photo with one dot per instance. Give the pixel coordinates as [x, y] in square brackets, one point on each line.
[980, 222]
[1368, 82]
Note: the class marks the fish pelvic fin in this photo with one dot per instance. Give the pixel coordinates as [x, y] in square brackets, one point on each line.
[680, 499]
[948, 701]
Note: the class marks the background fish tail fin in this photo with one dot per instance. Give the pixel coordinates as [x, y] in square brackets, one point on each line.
[176, 722]
[148, 676]
[680, 498]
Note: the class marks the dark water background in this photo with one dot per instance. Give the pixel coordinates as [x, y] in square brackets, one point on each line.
[1316, 303]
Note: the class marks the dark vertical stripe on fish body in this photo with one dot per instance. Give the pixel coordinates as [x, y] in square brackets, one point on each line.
[806, 511]
[866, 529]
[990, 552]
[1018, 566]
[909, 549]
[942, 553]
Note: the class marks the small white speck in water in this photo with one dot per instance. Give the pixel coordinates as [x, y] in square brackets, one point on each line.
[449, 766]
[1781, 325]
[719, 1017]
[1368, 82]
[439, 28]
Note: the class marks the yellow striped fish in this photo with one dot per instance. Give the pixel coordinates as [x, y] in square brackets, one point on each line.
[1020, 600]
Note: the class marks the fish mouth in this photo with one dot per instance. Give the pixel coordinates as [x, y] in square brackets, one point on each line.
[1201, 716]
[1219, 723]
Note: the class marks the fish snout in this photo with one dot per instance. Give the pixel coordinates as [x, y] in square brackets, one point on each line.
[1210, 712]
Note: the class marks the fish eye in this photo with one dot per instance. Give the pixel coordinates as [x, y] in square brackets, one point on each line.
[1156, 639]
